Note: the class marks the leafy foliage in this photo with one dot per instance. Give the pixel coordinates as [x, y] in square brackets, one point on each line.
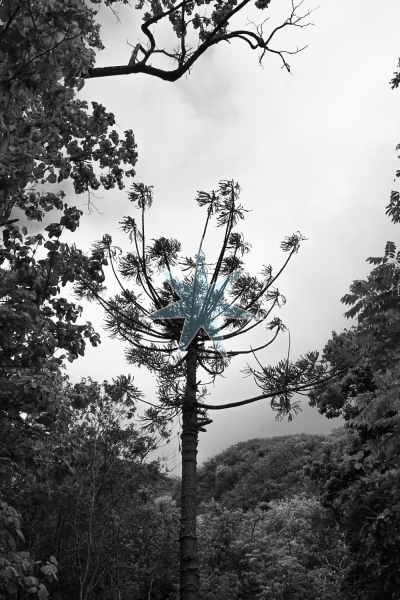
[46, 135]
[289, 545]
[344, 354]
[362, 501]
[17, 567]
[103, 522]
[292, 548]
[259, 471]
[365, 488]
[37, 325]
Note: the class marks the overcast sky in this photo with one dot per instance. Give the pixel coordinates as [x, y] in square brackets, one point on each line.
[313, 151]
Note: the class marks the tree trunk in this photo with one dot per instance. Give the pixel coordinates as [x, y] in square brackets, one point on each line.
[189, 568]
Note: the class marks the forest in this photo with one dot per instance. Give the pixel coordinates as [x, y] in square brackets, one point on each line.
[88, 510]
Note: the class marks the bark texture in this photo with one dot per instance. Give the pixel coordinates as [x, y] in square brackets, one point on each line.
[189, 568]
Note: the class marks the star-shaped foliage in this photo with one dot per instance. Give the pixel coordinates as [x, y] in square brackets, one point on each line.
[201, 305]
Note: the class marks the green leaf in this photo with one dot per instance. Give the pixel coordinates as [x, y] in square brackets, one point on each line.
[31, 581]
[42, 592]
[390, 249]
[41, 67]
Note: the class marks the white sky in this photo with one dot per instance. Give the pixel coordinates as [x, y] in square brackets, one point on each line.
[313, 151]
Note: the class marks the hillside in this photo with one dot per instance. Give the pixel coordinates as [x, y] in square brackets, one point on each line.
[263, 469]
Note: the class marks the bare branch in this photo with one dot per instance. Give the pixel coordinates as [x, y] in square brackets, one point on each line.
[186, 58]
[273, 394]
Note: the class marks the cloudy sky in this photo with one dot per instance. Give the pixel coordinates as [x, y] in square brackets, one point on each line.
[313, 151]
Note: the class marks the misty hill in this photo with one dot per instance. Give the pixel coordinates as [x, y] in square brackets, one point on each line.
[263, 469]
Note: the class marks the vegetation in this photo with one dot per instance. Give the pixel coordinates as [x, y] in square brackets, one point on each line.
[105, 526]
[111, 527]
[47, 50]
[362, 485]
[158, 322]
[56, 41]
[293, 550]
[83, 513]
[256, 472]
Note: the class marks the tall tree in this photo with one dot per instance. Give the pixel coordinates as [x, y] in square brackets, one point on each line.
[187, 325]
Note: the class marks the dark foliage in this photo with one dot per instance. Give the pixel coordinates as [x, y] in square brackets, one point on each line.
[259, 470]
